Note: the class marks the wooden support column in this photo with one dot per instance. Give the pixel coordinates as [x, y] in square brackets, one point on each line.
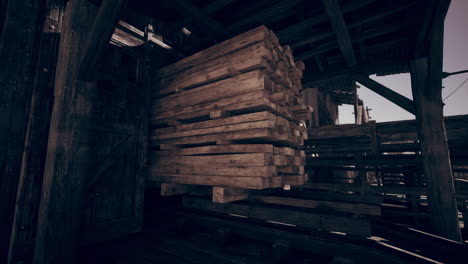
[426, 80]
[67, 163]
[19, 32]
[37, 133]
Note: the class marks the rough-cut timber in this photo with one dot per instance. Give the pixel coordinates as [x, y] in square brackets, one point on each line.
[230, 116]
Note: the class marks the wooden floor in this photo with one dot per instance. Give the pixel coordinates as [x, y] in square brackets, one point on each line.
[173, 234]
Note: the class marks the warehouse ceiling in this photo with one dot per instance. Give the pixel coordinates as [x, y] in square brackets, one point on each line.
[334, 38]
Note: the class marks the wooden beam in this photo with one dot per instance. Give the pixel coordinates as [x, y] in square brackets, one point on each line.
[426, 79]
[67, 163]
[268, 15]
[296, 31]
[37, 132]
[227, 195]
[99, 36]
[389, 94]
[18, 52]
[335, 15]
[216, 5]
[189, 9]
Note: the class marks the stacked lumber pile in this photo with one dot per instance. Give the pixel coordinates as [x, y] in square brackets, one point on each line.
[230, 116]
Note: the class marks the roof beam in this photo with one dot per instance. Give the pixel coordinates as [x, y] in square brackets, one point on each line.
[273, 13]
[358, 23]
[386, 92]
[335, 15]
[99, 35]
[295, 32]
[199, 17]
[216, 5]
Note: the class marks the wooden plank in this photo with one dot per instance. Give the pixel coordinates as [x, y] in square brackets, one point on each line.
[216, 130]
[244, 60]
[294, 180]
[214, 169]
[169, 189]
[217, 180]
[251, 159]
[363, 209]
[261, 135]
[220, 149]
[335, 15]
[389, 94]
[351, 226]
[243, 101]
[259, 116]
[241, 84]
[227, 195]
[99, 35]
[236, 43]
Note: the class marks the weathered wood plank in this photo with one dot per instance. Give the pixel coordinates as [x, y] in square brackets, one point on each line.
[363, 209]
[227, 195]
[241, 84]
[250, 159]
[214, 169]
[217, 180]
[218, 149]
[169, 189]
[231, 45]
[305, 219]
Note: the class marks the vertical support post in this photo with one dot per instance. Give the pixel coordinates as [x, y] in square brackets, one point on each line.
[32, 168]
[67, 163]
[426, 81]
[18, 52]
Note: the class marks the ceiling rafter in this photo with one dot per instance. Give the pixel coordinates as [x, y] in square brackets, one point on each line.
[335, 15]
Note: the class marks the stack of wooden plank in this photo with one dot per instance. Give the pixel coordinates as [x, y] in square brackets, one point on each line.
[230, 116]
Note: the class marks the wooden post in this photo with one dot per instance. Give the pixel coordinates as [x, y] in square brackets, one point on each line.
[18, 53]
[67, 163]
[32, 169]
[426, 80]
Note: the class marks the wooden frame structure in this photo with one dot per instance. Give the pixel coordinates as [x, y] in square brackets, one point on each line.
[62, 44]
